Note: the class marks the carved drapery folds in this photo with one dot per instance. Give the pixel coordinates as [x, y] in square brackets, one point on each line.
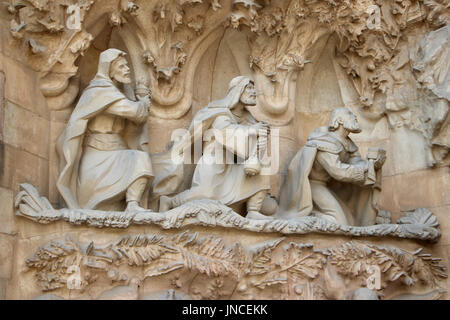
[207, 267]
[377, 46]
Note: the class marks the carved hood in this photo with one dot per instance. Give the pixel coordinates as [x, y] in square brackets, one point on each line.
[98, 96]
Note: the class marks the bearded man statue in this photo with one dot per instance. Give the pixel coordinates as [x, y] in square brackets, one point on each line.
[103, 149]
[328, 178]
[229, 169]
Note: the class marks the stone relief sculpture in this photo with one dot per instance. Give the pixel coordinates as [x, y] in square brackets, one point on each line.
[393, 53]
[206, 267]
[217, 176]
[331, 156]
[104, 144]
[107, 172]
[307, 203]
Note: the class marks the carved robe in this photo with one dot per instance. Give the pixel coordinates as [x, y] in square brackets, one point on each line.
[101, 145]
[226, 182]
[328, 176]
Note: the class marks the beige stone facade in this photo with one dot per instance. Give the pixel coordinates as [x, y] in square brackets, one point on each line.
[387, 63]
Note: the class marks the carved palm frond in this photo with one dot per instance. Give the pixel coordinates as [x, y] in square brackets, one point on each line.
[420, 216]
[139, 250]
[52, 262]
[30, 204]
[302, 260]
[208, 255]
[259, 256]
[354, 258]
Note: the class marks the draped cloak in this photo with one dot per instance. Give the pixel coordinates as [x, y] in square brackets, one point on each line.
[120, 168]
[231, 183]
[296, 200]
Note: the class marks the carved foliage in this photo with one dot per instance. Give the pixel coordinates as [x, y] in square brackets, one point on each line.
[375, 40]
[354, 259]
[118, 17]
[53, 30]
[293, 269]
[419, 224]
[438, 13]
[369, 32]
[158, 255]
[175, 24]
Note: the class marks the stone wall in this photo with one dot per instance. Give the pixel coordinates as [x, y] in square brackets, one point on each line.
[24, 147]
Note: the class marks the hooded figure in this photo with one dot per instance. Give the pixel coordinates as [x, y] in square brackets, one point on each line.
[329, 179]
[230, 182]
[103, 147]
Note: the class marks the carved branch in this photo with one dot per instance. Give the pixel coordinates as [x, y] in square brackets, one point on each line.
[212, 213]
[251, 268]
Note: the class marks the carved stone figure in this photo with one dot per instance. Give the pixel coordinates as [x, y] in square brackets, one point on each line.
[103, 146]
[329, 179]
[228, 182]
[327, 236]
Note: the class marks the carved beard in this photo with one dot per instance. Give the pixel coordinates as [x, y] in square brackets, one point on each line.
[248, 99]
[352, 126]
[122, 78]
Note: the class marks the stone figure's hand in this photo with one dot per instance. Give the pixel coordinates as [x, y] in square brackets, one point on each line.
[145, 99]
[146, 103]
[142, 89]
[379, 163]
[381, 159]
[262, 128]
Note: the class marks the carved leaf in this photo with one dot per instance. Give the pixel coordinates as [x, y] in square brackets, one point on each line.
[259, 257]
[353, 258]
[208, 256]
[420, 216]
[52, 262]
[140, 250]
[302, 260]
[142, 256]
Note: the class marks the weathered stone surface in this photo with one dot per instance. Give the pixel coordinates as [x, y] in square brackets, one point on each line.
[448, 265]
[388, 199]
[7, 220]
[3, 285]
[386, 61]
[26, 130]
[19, 166]
[27, 94]
[444, 219]
[2, 103]
[28, 230]
[424, 188]
[7, 254]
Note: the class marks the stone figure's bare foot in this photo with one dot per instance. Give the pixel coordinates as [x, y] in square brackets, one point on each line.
[165, 204]
[258, 216]
[133, 206]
